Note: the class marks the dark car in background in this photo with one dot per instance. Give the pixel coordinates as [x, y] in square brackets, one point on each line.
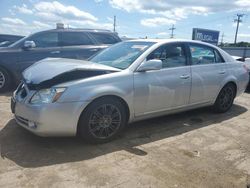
[6, 40]
[63, 43]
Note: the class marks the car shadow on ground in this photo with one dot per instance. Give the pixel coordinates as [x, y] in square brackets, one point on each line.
[28, 150]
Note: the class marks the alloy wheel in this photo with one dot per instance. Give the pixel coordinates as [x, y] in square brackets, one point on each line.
[2, 80]
[105, 121]
[226, 97]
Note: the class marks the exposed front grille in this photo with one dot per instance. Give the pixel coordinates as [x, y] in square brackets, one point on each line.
[22, 120]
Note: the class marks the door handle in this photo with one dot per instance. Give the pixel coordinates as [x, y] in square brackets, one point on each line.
[184, 76]
[222, 72]
[55, 52]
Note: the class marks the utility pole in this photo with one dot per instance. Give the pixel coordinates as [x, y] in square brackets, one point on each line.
[114, 24]
[238, 20]
[172, 31]
[222, 39]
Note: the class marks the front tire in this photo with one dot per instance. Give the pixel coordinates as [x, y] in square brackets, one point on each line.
[4, 80]
[225, 99]
[102, 121]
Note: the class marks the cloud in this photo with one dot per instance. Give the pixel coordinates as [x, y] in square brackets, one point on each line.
[98, 1]
[23, 9]
[127, 5]
[46, 14]
[235, 24]
[59, 10]
[243, 3]
[15, 21]
[96, 25]
[160, 6]
[244, 35]
[154, 22]
[17, 26]
[41, 25]
[179, 9]
[53, 12]
[162, 33]
[110, 19]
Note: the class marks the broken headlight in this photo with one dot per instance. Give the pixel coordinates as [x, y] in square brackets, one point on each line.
[46, 96]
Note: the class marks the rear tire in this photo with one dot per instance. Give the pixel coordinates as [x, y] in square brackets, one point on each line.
[225, 99]
[5, 81]
[102, 121]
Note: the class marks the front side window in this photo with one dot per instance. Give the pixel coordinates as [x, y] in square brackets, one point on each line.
[171, 55]
[202, 55]
[45, 40]
[74, 39]
[121, 55]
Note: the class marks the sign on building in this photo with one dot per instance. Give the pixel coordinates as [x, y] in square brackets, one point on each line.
[205, 35]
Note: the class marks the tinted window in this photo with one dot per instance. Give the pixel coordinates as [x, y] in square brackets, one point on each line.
[202, 55]
[104, 38]
[74, 39]
[172, 55]
[45, 40]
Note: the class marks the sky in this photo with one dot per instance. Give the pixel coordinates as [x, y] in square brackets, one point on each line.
[135, 18]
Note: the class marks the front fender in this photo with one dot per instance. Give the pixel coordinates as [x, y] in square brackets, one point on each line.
[120, 86]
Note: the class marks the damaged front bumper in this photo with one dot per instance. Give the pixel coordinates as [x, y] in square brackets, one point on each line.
[54, 119]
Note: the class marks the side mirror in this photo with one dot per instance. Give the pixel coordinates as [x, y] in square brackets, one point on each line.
[29, 44]
[153, 64]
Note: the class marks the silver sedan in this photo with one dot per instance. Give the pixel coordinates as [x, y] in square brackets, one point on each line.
[130, 81]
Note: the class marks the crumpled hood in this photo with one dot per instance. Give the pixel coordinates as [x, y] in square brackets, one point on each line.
[53, 71]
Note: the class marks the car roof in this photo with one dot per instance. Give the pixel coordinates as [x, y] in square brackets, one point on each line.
[163, 41]
[79, 30]
[9, 35]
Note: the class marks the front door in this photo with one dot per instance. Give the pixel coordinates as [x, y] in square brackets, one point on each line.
[46, 46]
[164, 89]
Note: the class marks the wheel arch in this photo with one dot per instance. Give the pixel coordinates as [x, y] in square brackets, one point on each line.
[232, 83]
[229, 80]
[11, 74]
[5, 68]
[123, 101]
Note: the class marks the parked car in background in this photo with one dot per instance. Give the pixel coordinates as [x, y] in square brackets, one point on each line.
[6, 40]
[129, 81]
[64, 43]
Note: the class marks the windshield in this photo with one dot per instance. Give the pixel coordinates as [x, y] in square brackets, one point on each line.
[122, 55]
[16, 44]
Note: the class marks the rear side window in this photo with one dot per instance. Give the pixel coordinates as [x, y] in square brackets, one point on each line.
[104, 38]
[74, 39]
[218, 57]
[201, 55]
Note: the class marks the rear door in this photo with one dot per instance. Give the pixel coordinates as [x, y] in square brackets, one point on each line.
[77, 45]
[164, 89]
[208, 72]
